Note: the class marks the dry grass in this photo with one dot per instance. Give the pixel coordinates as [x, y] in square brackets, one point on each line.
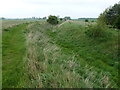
[49, 66]
[11, 23]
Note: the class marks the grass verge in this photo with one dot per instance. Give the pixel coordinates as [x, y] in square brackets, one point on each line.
[14, 51]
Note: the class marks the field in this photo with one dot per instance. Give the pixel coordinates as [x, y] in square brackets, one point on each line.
[11, 23]
[39, 55]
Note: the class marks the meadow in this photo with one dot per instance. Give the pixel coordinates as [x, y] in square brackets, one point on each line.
[36, 54]
[11, 23]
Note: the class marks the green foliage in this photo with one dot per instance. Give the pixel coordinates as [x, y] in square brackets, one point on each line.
[67, 17]
[111, 16]
[61, 19]
[59, 57]
[86, 20]
[102, 18]
[52, 20]
[13, 54]
[98, 32]
[117, 22]
[44, 17]
[72, 39]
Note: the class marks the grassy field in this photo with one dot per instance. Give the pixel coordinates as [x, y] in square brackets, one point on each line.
[14, 51]
[39, 55]
[11, 23]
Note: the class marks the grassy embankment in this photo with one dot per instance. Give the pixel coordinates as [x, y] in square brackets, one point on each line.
[66, 57]
[11, 23]
[59, 56]
[13, 56]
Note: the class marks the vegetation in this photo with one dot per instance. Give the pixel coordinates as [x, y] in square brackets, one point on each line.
[61, 19]
[72, 54]
[111, 16]
[86, 20]
[117, 22]
[67, 17]
[13, 56]
[87, 51]
[10, 23]
[52, 20]
[63, 56]
[44, 17]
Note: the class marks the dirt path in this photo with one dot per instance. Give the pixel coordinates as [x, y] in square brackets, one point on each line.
[63, 23]
[70, 22]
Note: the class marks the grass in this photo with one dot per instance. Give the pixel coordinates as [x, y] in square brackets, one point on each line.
[59, 57]
[13, 55]
[66, 57]
[102, 55]
[10, 23]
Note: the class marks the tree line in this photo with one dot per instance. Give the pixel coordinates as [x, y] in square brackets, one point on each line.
[111, 16]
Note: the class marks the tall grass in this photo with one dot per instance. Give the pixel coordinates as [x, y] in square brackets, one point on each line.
[99, 32]
[13, 56]
[59, 57]
[65, 57]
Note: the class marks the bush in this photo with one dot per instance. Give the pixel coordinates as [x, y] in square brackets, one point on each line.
[97, 31]
[110, 15]
[61, 19]
[86, 20]
[52, 20]
[117, 22]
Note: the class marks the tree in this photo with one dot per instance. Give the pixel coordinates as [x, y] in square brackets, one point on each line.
[86, 20]
[102, 17]
[44, 17]
[52, 20]
[110, 15]
[61, 19]
[67, 17]
[117, 22]
[2, 18]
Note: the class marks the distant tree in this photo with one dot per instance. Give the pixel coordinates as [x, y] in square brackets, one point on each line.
[33, 17]
[86, 20]
[39, 18]
[52, 20]
[44, 17]
[67, 17]
[2, 18]
[61, 19]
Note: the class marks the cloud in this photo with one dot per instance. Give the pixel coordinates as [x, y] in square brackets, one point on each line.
[41, 8]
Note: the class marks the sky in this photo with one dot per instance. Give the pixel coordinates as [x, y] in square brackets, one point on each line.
[40, 8]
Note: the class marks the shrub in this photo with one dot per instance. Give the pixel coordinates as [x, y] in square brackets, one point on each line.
[117, 22]
[61, 19]
[67, 17]
[110, 15]
[52, 20]
[86, 20]
[97, 31]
